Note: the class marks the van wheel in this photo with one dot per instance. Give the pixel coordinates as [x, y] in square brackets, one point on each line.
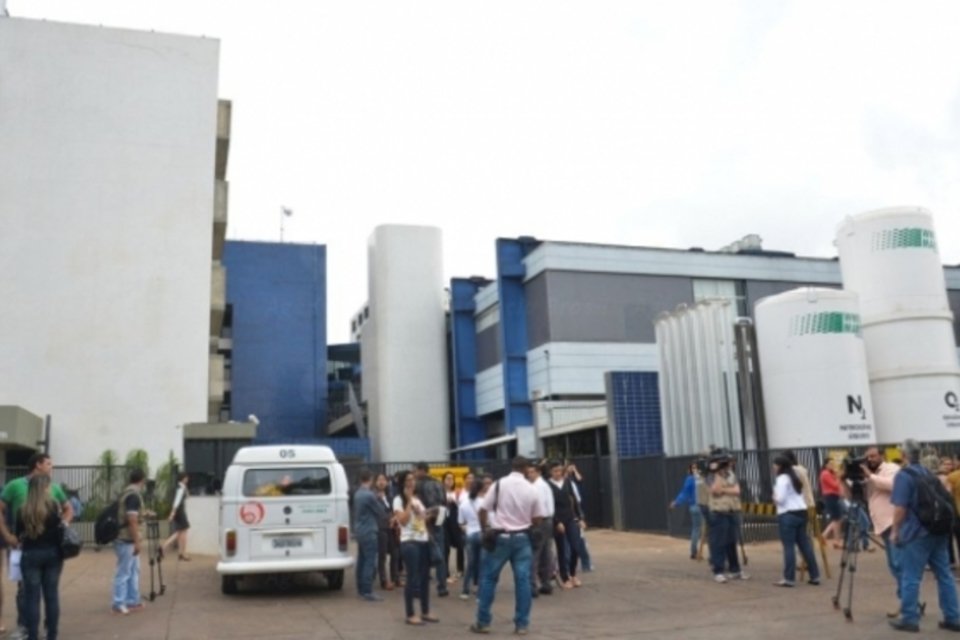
[228, 585]
[334, 579]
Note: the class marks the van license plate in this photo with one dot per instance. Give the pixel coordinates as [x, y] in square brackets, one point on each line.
[287, 543]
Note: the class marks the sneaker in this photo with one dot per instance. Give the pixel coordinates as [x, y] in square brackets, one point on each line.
[783, 583]
[900, 625]
[443, 594]
[136, 608]
[814, 582]
[121, 610]
[479, 628]
[20, 633]
[739, 576]
[371, 597]
[521, 631]
[464, 596]
[546, 590]
[719, 577]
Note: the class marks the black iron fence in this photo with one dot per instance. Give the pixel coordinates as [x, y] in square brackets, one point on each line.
[91, 488]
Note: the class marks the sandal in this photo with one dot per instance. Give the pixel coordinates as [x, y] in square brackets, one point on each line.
[576, 582]
[429, 618]
[417, 622]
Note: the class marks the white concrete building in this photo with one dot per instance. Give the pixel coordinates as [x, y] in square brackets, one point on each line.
[107, 181]
[403, 345]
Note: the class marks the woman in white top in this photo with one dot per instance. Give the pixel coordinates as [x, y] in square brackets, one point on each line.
[414, 549]
[469, 521]
[792, 521]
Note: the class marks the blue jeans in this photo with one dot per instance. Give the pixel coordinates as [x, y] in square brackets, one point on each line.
[893, 558]
[793, 533]
[416, 560]
[474, 549]
[723, 542]
[914, 557]
[696, 523]
[568, 548]
[126, 582]
[368, 547]
[515, 548]
[41, 574]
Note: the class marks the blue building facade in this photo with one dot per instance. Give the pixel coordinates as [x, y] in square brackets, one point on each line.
[276, 294]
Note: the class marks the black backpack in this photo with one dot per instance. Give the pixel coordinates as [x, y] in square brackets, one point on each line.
[109, 521]
[935, 508]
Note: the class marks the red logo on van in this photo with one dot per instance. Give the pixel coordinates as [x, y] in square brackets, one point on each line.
[251, 513]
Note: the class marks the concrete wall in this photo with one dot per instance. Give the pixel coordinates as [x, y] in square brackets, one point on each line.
[279, 373]
[107, 142]
[404, 348]
[204, 514]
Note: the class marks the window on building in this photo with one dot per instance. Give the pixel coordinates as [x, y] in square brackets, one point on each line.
[733, 290]
[488, 318]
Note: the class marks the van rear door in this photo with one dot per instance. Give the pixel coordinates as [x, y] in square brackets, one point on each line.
[289, 511]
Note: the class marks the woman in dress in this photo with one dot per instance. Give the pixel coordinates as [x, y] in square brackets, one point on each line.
[178, 520]
[415, 548]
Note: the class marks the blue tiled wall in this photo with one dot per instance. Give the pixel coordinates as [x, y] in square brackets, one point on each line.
[278, 296]
[636, 413]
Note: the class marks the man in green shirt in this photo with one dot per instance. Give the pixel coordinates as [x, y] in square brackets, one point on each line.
[13, 497]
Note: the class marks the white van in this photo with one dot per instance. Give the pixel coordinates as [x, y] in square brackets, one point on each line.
[284, 509]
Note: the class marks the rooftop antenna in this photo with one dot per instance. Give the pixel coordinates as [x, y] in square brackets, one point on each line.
[285, 212]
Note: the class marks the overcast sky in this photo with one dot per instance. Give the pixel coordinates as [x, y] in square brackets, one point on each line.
[671, 124]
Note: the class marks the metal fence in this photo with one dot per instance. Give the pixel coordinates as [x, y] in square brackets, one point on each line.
[96, 487]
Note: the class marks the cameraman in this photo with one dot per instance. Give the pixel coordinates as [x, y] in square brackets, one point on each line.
[878, 476]
[724, 511]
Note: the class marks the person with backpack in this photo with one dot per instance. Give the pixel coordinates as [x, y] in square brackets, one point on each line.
[128, 545]
[922, 523]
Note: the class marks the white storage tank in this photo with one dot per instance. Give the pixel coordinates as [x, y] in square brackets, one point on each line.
[699, 405]
[814, 370]
[889, 257]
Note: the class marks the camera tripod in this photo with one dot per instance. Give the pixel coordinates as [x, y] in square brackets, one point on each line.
[155, 558]
[852, 535]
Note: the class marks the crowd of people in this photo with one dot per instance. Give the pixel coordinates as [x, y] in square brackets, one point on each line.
[408, 528]
[890, 501]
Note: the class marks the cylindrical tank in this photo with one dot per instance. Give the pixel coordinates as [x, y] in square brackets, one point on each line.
[889, 258]
[813, 369]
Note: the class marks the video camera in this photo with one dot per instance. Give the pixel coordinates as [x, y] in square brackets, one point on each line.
[718, 461]
[853, 469]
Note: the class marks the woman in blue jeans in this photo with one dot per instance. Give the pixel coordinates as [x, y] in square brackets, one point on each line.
[470, 521]
[38, 529]
[688, 498]
[415, 550]
[792, 521]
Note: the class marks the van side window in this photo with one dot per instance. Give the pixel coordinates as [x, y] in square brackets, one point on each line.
[267, 483]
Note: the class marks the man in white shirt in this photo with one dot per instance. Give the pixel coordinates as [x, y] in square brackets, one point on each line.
[542, 563]
[518, 509]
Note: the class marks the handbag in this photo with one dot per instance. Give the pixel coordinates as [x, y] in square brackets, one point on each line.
[488, 538]
[70, 542]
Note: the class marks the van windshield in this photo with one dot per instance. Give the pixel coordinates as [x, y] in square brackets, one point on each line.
[286, 482]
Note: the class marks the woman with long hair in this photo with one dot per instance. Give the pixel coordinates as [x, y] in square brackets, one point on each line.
[792, 522]
[469, 519]
[415, 548]
[389, 543]
[178, 519]
[38, 525]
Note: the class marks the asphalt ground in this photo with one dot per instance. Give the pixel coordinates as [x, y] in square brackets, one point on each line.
[643, 586]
